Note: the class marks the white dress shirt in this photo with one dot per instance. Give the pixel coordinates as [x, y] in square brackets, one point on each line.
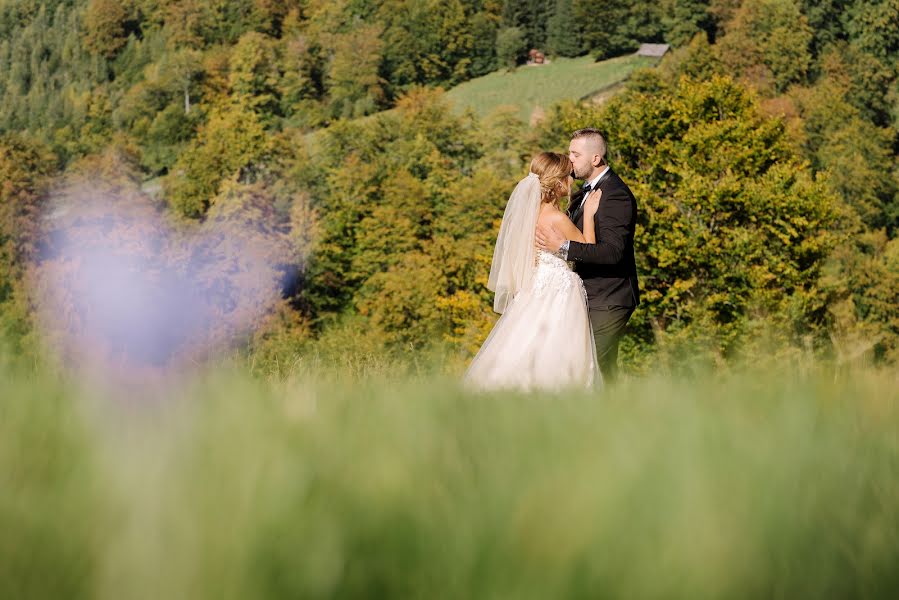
[593, 181]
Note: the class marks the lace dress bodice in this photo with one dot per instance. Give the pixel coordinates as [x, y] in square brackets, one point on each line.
[554, 275]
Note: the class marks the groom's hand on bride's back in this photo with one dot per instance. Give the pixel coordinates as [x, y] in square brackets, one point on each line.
[549, 239]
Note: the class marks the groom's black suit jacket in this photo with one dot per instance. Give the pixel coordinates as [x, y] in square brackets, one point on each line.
[608, 267]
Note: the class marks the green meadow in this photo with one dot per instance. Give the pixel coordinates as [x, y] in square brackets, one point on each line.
[236, 486]
[538, 87]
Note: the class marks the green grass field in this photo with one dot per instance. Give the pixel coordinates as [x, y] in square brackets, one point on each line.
[231, 486]
[533, 87]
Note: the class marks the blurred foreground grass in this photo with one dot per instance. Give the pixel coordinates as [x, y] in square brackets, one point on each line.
[232, 487]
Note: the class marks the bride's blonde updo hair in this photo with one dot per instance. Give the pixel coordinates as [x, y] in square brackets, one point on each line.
[553, 170]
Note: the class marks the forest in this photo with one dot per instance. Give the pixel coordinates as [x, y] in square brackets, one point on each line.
[308, 146]
[244, 252]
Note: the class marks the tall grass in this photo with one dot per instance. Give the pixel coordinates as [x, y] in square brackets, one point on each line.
[231, 486]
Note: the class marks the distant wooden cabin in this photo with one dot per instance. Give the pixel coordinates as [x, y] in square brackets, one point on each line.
[653, 50]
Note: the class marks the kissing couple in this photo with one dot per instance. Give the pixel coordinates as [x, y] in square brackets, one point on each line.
[560, 327]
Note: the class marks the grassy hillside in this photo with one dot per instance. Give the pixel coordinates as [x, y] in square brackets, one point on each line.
[531, 87]
[537, 87]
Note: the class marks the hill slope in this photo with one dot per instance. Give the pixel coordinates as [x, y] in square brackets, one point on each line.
[537, 87]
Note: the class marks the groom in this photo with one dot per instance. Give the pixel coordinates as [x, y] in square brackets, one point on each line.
[607, 267]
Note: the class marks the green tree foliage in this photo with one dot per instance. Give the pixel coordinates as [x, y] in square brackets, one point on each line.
[484, 27]
[864, 80]
[392, 219]
[301, 86]
[769, 42]
[183, 21]
[161, 112]
[734, 228]
[353, 81]
[618, 26]
[48, 80]
[425, 41]
[511, 47]
[24, 169]
[104, 24]
[683, 19]
[563, 31]
[531, 16]
[826, 19]
[254, 76]
[863, 275]
[874, 27]
[227, 146]
[855, 154]
[405, 234]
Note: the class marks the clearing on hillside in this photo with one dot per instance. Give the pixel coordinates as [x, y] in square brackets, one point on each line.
[536, 87]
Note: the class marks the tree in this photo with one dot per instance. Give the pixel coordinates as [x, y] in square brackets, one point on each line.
[563, 36]
[825, 18]
[226, 146]
[483, 28]
[635, 22]
[353, 80]
[734, 229]
[254, 76]
[425, 42]
[856, 155]
[381, 182]
[184, 69]
[683, 19]
[768, 43]
[185, 21]
[874, 28]
[531, 16]
[511, 47]
[301, 86]
[863, 277]
[863, 79]
[104, 24]
[25, 166]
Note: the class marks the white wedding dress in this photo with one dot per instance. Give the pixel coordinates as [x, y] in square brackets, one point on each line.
[543, 340]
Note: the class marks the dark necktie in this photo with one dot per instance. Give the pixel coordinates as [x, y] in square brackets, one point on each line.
[583, 192]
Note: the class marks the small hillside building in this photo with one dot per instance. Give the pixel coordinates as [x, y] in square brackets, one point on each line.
[653, 50]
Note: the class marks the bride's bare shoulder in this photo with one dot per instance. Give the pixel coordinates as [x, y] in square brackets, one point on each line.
[550, 215]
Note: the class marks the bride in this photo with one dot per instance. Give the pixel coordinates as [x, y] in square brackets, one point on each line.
[543, 340]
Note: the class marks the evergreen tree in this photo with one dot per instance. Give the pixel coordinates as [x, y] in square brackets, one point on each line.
[563, 36]
[511, 47]
[618, 26]
[531, 17]
[483, 28]
[683, 19]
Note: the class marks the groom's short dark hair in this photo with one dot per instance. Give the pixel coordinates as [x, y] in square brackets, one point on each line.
[595, 136]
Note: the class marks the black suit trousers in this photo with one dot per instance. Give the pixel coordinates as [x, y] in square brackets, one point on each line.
[608, 324]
